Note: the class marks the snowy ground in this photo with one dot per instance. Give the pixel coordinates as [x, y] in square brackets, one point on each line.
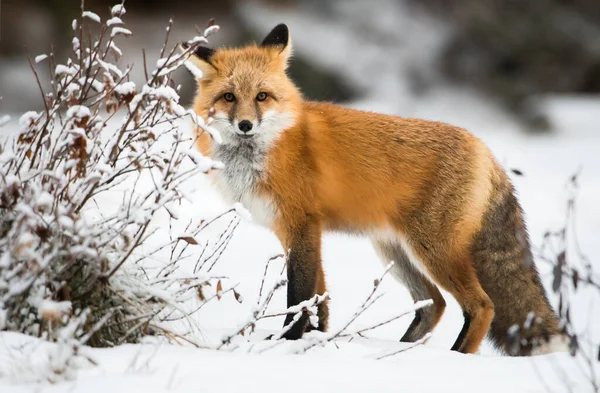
[152, 368]
[351, 264]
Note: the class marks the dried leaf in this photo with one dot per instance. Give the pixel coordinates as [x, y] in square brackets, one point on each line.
[189, 240]
[574, 179]
[237, 296]
[562, 258]
[219, 289]
[560, 304]
[573, 345]
[517, 172]
[557, 273]
[201, 294]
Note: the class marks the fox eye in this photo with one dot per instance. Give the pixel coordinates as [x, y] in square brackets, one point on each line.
[229, 97]
[261, 96]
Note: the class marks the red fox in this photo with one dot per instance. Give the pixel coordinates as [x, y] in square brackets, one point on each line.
[430, 196]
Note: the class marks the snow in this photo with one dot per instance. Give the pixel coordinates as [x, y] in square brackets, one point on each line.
[76, 44]
[199, 122]
[63, 69]
[165, 92]
[125, 88]
[118, 10]
[65, 222]
[161, 62]
[28, 118]
[150, 368]
[198, 39]
[213, 132]
[120, 30]
[44, 201]
[3, 318]
[110, 67]
[258, 365]
[211, 30]
[115, 20]
[92, 16]
[40, 58]
[242, 211]
[78, 111]
[197, 72]
[204, 163]
[72, 88]
[96, 84]
[4, 119]
[48, 308]
[351, 265]
[115, 48]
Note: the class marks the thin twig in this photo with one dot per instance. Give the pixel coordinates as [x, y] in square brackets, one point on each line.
[409, 346]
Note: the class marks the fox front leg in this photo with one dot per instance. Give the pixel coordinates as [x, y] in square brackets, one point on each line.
[304, 273]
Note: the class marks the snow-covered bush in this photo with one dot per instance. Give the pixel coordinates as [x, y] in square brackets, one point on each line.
[77, 270]
[573, 280]
[62, 259]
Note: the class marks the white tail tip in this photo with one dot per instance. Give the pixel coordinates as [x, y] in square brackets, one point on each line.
[557, 343]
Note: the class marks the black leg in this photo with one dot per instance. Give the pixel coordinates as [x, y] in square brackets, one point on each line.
[304, 264]
[463, 332]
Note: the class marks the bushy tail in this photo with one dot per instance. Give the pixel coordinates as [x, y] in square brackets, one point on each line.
[524, 322]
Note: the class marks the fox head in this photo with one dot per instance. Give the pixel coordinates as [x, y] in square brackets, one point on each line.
[251, 98]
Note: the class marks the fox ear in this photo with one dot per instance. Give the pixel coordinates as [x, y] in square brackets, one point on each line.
[201, 58]
[279, 38]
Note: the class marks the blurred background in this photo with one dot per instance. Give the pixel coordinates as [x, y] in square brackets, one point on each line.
[516, 56]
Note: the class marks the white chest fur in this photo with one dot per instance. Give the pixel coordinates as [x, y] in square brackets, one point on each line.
[244, 167]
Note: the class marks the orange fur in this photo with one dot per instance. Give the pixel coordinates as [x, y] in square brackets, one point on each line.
[428, 183]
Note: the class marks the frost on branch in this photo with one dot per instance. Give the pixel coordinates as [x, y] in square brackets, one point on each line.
[64, 262]
[92, 16]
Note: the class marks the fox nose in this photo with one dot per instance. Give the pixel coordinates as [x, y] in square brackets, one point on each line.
[245, 125]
